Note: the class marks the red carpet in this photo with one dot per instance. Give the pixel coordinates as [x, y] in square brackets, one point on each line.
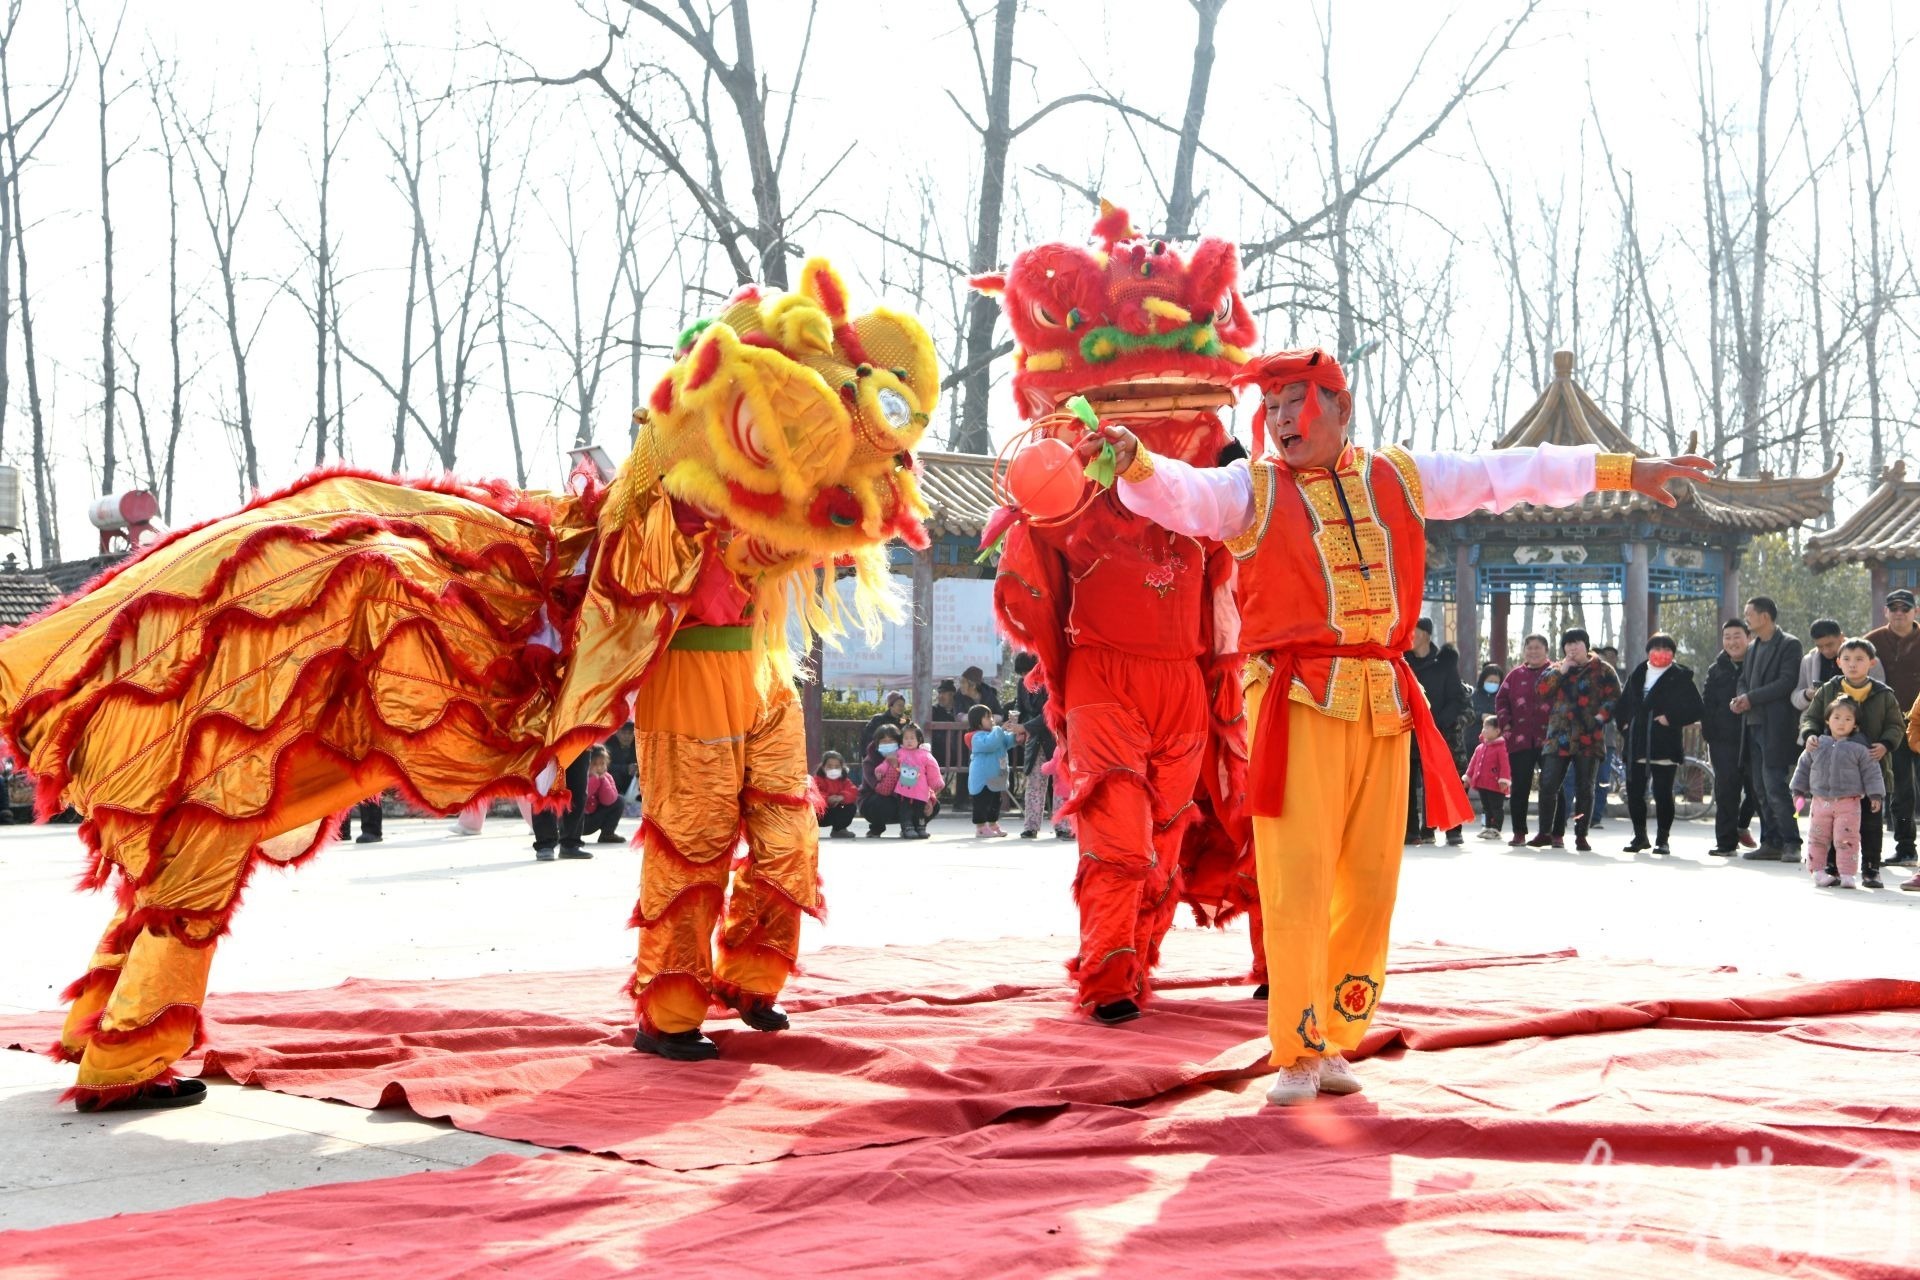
[896, 1045]
[1704, 1149]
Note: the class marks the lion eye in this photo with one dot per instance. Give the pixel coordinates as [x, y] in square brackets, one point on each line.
[1044, 317]
[1223, 309]
[894, 407]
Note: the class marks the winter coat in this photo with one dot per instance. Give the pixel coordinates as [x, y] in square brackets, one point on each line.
[1582, 704]
[1032, 705]
[1637, 714]
[832, 791]
[1837, 767]
[1721, 727]
[874, 725]
[1489, 771]
[1439, 676]
[1767, 678]
[601, 792]
[913, 773]
[1877, 718]
[1521, 709]
[1816, 671]
[990, 748]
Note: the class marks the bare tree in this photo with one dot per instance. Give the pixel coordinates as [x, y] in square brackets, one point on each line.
[25, 131]
[498, 243]
[159, 79]
[225, 194]
[1872, 187]
[1182, 203]
[108, 384]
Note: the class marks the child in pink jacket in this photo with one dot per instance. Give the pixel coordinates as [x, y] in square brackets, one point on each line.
[916, 782]
[1489, 774]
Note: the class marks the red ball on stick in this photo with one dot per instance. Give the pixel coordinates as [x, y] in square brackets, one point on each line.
[1045, 480]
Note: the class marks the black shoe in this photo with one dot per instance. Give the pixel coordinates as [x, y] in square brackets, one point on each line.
[574, 851]
[1661, 851]
[364, 838]
[841, 833]
[1902, 860]
[765, 1017]
[1029, 835]
[874, 833]
[1723, 853]
[151, 1097]
[1765, 853]
[1112, 1015]
[1636, 844]
[1456, 839]
[1260, 992]
[1871, 882]
[607, 839]
[680, 1046]
[543, 855]
[1062, 833]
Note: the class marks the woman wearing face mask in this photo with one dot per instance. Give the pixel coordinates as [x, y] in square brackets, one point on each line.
[878, 804]
[1656, 702]
[1485, 690]
[838, 798]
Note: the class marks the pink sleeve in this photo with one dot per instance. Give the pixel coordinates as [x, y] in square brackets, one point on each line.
[1548, 475]
[934, 778]
[1201, 502]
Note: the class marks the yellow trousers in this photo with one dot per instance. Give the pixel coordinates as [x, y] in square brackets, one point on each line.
[719, 761]
[1329, 867]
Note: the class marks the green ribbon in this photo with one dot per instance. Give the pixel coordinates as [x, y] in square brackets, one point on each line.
[1101, 467]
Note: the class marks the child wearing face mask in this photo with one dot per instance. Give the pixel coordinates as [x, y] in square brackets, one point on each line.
[878, 805]
[1486, 691]
[836, 799]
[914, 775]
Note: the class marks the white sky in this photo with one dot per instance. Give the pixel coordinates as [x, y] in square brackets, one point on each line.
[878, 78]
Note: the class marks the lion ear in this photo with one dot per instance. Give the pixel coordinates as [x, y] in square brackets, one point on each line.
[819, 281]
[993, 284]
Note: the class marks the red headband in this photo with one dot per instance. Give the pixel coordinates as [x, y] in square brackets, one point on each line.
[1312, 366]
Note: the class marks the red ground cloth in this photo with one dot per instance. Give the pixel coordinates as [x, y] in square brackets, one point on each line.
[1703, 1149]
[898, 1044]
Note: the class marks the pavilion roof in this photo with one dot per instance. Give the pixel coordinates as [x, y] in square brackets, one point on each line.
[1566, 414]
[959, 488]
[1886, 527]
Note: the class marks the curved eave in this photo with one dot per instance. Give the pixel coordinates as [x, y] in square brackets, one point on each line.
[959, 489]
[1886, 527]
[1744, 506]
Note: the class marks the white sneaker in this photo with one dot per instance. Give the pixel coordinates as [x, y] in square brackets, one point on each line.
[1821, 880]
[1296, 1084]
[1488, 833]
[1336, 1076]
[1849, 882]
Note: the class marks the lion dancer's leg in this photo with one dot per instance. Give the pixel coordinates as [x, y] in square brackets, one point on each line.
[1130, 823]
[779, 880]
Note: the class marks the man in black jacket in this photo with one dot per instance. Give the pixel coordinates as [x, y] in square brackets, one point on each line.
[1733, 803]
[1438, 671]
[1763, 698]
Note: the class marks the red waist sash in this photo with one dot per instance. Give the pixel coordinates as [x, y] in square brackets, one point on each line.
[1447, 805]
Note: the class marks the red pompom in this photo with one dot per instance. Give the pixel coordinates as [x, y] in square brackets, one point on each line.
[1046, 480]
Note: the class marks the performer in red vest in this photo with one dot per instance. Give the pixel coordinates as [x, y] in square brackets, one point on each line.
[1332, 550]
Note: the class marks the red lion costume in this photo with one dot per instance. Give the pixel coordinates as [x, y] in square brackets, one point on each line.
[1134, 628]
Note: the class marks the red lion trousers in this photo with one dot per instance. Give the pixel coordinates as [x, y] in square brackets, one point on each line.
[1136, 730]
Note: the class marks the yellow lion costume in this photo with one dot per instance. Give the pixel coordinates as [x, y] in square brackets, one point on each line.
[221, 699]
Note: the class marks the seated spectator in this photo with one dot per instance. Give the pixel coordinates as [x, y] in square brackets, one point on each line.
[878, 805]
[603, 798]
[1822, 664]
[837, 799]
[623, 758]
[913, 775]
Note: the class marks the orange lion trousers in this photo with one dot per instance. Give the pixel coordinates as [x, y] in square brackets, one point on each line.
[1329, 870]
[730, 844]
[1136, 732]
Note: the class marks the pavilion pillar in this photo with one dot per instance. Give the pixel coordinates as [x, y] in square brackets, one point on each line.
[923, 635]
[1730, 601]
[1877, 590]
[1466, 596]
[1633, 621]
[1497, 643]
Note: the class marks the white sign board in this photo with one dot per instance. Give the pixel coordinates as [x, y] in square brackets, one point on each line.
[963, 636]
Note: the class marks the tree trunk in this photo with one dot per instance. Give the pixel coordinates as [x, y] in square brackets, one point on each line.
[1181, 203]
[983, 313]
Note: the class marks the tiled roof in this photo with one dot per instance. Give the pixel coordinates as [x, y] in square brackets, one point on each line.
[22, 595]
[1886, 527]
[959, 488]
[1566, 414]
[71, 575]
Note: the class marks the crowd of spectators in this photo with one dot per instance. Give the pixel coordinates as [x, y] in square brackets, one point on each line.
[1767, 708]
